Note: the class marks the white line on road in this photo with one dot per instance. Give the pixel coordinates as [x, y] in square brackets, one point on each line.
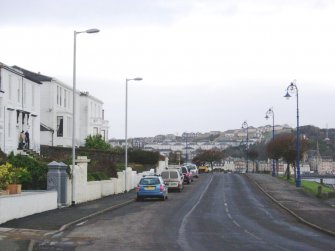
[182, 230]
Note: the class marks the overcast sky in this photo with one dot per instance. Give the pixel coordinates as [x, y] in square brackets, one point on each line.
[206, 65]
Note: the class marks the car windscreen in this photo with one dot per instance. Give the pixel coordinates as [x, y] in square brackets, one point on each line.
[174, 175]
[149, 181]
[165, 175]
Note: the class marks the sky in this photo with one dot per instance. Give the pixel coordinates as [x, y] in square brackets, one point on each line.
[206, 65]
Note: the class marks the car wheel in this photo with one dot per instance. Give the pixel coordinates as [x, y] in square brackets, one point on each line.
[179, 190]
[139, 198]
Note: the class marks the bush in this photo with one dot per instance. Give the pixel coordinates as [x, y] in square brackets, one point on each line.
[13, 175]
[38, 171]
[96, 142]
[96, 176]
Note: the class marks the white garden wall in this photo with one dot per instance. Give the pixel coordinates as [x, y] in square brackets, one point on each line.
[26, 203]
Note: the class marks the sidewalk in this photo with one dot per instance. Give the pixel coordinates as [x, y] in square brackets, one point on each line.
[306, 208]
[60, 219]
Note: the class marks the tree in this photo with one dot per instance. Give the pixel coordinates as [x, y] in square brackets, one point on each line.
[284, 146]
[96, 142]
[253, 155]
[174, 158]
[209, 156]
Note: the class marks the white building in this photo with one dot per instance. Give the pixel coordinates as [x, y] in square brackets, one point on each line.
[92, 119]
[19, 109]
[57, 109]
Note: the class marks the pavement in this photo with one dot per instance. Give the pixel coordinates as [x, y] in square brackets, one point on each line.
[62, 218]
[306, 208]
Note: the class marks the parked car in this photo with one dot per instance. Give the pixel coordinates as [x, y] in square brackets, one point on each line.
[173, 179]
[188, 178]
[193, 169]
[152, 187]
[203, 169]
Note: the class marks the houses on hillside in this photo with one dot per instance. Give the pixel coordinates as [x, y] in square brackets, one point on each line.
[43, 107]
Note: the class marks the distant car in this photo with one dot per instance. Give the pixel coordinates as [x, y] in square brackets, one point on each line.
[188, 178]
[203, 169]
[173, 179]
[193, 169]
[151, 187]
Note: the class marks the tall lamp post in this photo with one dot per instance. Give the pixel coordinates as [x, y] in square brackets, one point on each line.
[245, 126]
[270, 113]
[74, 108]
[292, 88]
[126, 133]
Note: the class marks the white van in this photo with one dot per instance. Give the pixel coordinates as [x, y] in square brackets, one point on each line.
[173, 179]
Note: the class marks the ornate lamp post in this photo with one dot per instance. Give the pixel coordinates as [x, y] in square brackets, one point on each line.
[292, 88]
[245, 126]
[270, 113]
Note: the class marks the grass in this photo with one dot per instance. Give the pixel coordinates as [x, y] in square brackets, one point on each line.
[312, 187]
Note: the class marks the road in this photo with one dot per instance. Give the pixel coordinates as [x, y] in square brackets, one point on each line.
[216, 212]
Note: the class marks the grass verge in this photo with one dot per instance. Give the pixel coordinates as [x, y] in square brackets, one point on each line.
[312, 187]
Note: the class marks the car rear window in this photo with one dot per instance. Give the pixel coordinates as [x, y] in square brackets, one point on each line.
[174, 175]
[165, 175]
[149, 181]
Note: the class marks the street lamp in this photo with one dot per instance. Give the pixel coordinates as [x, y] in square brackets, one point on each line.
[245, 126]
[74, 108]
[292, 88]
[270, 113]
[126, 132]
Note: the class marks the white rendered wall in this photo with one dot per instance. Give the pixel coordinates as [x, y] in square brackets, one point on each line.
[26, 203]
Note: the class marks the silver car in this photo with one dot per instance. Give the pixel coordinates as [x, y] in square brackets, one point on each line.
[173, 179]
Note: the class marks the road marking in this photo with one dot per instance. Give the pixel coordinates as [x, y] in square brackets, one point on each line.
[182, 230]
[238, 225]
[81, 223]
[253, 235]
[229, 216]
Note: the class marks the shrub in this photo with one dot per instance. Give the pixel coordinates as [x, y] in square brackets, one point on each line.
[38, 171]
[11, 175]
[96, 176]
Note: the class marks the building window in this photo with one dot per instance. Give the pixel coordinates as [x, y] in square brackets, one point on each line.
[95, 130]
[59, 126]
[10, 116]
[1, 110]
[65, 98]
[60, 96]
[24, 92]
[10, 87]
[18, 92]
[69, 126]
[32, 95]
[57, 95]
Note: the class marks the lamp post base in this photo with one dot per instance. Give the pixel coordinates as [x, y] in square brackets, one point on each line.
[298, 183]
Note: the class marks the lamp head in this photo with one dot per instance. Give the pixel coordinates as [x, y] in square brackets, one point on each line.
[92, 30]
[287, 96]
[266, 117]
[138, 79]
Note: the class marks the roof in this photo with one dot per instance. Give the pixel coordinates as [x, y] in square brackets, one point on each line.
[44, 128]
[36, 77]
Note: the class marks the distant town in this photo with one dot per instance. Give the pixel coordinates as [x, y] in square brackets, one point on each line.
[189, 142]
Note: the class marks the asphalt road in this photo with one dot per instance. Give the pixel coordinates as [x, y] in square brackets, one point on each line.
[216, 212]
